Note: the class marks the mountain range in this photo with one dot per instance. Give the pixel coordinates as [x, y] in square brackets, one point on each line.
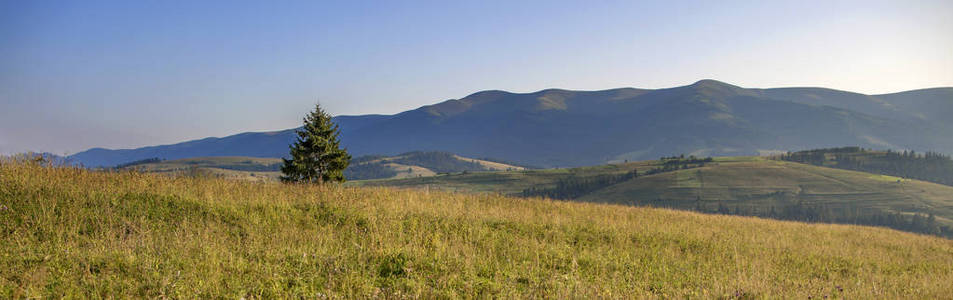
[562, 128]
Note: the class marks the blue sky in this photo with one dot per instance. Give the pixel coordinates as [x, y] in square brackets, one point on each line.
[120, 74]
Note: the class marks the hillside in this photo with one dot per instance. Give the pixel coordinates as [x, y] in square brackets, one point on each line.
[77, 233]
[419, 164]
[411, 164]
[741, 185]
[560, 128]
[230, 167]
[930, 166]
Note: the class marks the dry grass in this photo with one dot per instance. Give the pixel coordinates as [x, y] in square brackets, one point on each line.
[76, 233]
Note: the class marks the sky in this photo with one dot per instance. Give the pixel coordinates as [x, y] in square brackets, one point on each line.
[123, 74]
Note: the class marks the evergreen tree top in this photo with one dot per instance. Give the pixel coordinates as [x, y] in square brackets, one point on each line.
[316, 155]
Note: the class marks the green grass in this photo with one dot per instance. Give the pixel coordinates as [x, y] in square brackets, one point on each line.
[887, 178]
[81, 234]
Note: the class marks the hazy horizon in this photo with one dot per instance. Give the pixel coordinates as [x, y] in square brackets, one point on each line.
[123, 75]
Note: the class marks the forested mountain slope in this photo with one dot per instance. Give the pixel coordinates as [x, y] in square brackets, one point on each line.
[558, 128]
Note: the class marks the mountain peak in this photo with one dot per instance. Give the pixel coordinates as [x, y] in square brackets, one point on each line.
[712, 83]
[485, 95]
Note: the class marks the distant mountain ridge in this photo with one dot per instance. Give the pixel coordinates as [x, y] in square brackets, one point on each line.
[272, 144]
[557, 128]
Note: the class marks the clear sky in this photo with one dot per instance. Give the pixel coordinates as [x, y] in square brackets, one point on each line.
[120, 74]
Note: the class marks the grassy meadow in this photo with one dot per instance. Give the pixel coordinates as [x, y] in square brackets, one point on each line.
[74, 233]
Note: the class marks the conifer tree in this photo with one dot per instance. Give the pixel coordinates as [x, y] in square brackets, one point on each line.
[316, 156]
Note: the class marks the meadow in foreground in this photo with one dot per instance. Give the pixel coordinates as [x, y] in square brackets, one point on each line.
[72, 232]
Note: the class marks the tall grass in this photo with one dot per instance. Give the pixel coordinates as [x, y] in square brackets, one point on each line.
[77, 233]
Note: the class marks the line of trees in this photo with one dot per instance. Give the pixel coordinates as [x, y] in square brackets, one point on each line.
[369, 171]
[930, 166]
[674, 163]
[138, 162]
[253, 168]
[575, 186]
[375, 166]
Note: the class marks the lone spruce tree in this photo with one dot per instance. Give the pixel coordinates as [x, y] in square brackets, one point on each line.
[316, 156]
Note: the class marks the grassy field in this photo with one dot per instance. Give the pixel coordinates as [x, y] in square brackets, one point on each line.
[83, 234]
[733, 181]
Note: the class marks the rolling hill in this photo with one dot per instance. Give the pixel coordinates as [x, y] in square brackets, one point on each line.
[230, 167]
[929, 166]
[76, 233]
[419, 164]
[560, 128]
[411, 164]
[741, 185]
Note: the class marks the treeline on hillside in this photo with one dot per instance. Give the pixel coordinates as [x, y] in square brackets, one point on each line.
[930, 166]
[275, 167]
[368, 171]
[574, 187]
[675, 163]
[138, 162]
[248, 165]
[366, 158]
[375, 166]
[577, 186]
